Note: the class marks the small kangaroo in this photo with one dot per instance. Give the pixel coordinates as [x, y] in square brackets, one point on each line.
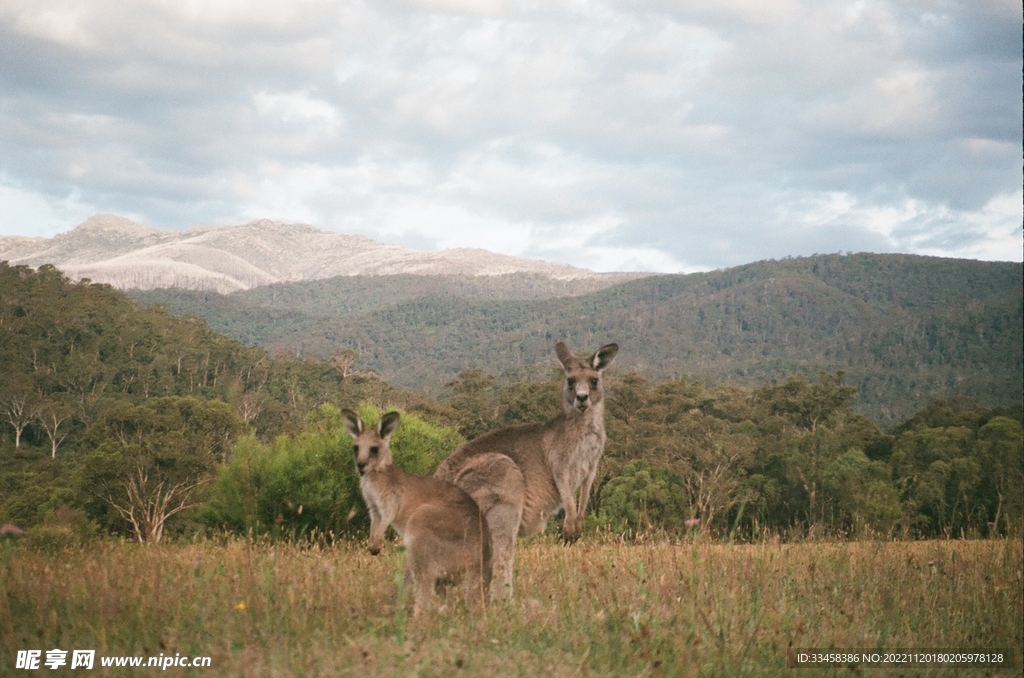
[444, 532]
[552, 464]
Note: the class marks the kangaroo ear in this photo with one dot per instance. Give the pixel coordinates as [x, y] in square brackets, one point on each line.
[353, 424]
[604, 356]
[565, 356]
[388, 424]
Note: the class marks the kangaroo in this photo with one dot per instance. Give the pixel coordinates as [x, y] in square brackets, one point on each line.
[444, 532]
[552, 464]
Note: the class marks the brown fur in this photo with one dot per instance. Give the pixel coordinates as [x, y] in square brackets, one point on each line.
[520, 476]
[445, 534]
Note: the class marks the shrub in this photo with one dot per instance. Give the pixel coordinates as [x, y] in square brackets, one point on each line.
[643, 498]
[300, 485]
[61, 529]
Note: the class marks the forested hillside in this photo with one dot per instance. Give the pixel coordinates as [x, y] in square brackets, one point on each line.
[73, 350]
[281, 315]
[905, 329]
[87, 371]
[119, 418]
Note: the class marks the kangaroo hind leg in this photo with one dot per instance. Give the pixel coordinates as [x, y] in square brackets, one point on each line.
[503, 521]
[421, 566]
[496, 484]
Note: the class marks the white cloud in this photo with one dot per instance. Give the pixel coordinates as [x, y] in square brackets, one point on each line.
[606, 259]
[469, 7]
[897, 104]
[30, 213]
[993, 232]
[296, 107]
[60, 25]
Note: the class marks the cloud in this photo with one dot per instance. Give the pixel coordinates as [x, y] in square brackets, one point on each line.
[58, 25]
[29, 213]
[655, 134]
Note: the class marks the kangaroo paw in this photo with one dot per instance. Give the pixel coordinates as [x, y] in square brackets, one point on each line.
[569, 535]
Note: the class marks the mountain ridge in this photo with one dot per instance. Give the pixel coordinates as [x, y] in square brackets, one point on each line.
[124, 254]
[905, 329]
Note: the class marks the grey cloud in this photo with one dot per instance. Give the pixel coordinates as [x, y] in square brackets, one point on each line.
[706, 131]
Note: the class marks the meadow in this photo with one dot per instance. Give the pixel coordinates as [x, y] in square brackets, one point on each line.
[601, 607]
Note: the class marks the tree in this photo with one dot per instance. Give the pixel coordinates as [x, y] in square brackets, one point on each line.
[641, 498]
[523, 403]
[149, 459]
[473, 395]
[860, 494]
[250, 405]
[999, 450]
[19, 405]
[808, 405]
[147, 504]
[345, 362]
[55, 418]
[937, 477]
[713, 474]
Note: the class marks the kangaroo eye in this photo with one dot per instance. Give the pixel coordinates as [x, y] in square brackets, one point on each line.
[593, 383]
[374, 451]
[571, 382]
[355, 450]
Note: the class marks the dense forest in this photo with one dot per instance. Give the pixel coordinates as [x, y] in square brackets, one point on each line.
[123, 418]
[906, 330]
[87, 372]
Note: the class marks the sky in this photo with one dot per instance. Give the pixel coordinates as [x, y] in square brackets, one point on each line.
[653, 135]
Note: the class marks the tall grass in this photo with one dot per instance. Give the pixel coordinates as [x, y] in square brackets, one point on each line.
[597, 608]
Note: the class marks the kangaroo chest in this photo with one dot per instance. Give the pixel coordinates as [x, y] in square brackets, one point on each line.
[383, 496]
[580, 457]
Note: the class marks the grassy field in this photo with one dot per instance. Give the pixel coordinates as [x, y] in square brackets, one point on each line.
[598, 608]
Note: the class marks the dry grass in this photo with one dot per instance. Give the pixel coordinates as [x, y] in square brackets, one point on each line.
[593, 609]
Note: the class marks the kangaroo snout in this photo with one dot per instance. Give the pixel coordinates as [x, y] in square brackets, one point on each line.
[583, 401]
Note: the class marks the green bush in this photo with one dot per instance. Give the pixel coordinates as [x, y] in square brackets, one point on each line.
[642, 498]
[61, 529]
[305, 484]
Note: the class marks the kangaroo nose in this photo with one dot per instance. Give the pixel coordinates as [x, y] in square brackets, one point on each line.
[361, 466]
[582, 397]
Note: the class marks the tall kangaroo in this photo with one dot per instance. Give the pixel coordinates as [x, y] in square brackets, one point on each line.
[444, 532]
[552, 464]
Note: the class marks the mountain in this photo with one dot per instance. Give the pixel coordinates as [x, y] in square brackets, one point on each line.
[905, 329]
[114, 250]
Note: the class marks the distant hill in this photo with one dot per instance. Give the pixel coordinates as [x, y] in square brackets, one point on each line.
[906, 329]
[117, 251]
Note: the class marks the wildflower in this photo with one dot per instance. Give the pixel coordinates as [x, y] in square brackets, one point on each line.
[11, 528]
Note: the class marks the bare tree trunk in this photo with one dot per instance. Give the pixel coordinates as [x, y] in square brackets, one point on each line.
[148, 507]
[20, 412]
[712, 490]
[999, 510]
[52, 419]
